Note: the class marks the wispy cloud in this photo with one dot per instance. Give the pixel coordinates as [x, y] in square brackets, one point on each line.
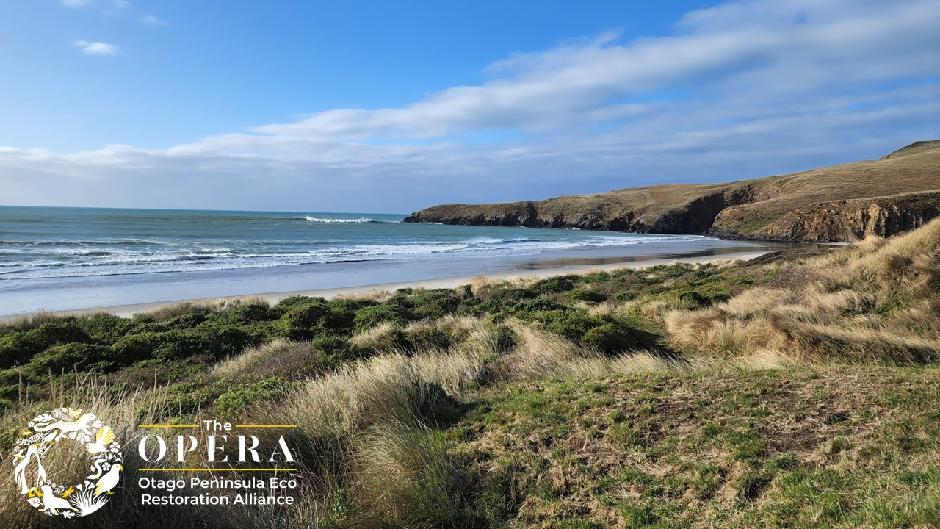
[742, 89]
[75, 3]
[153, 20]
[96, 48]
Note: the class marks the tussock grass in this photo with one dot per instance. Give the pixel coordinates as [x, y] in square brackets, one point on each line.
[540, 354]
[402, 477]
[27, 321]
[875, 301]
[279, 357]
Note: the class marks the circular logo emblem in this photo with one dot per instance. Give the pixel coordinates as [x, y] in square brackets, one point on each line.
[105, 462]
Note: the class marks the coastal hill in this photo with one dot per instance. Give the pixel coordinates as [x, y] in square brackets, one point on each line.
[898, 192]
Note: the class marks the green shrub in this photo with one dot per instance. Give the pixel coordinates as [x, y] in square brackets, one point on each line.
[308, 317]
[336, 348]
[255, 311]
[588, 294]
[69, 356]
[703, 296]
[570, 324]
[371, 316]
[554, 285]
[217, 341]
[434, 303]
[428, 337]
[18, 347]
[609, 339]
[302, 320]
[524, 308]
[105, 328]
[136, 347]
[505, 338]
[243, 397]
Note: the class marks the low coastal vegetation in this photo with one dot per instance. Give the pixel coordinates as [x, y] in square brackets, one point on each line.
[799, 390]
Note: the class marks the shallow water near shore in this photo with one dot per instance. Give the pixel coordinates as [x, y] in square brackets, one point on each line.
[77, 258]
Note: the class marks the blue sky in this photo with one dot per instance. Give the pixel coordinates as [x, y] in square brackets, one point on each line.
[391, 106]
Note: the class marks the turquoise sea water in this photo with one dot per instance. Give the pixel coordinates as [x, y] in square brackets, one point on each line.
[57, 258]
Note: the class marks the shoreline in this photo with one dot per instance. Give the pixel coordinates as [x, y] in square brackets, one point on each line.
[375, 289]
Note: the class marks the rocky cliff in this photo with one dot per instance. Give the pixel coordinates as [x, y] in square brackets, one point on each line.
[840, 203]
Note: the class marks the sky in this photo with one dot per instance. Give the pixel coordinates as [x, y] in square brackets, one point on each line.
[393, 106]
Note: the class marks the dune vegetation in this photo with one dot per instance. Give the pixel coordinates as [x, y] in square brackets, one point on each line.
[799, 389]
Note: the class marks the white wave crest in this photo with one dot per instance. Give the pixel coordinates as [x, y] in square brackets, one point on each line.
[333, 220]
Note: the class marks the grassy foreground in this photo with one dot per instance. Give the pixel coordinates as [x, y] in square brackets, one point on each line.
[797, 390]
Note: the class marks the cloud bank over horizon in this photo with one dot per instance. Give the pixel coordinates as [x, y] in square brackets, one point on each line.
[742, 89]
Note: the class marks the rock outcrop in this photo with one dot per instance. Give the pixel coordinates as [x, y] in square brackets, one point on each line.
[840, 203]
[842, 220]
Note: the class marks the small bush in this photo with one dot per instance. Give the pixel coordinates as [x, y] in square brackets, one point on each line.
[135, 347]
[504, 338]
[425, 337]
[434, 303]
[18, 347]
[67, 356]
[555, 285]
[254, 311]
[589, 295]
[609, 339]
[371, 316]
[244, 397]
[569, 324]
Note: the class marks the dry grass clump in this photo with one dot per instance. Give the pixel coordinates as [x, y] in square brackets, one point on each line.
[26, 321]
[402, 477]
[541, 354]
[279, 357]
[377, 337]
[383, 389]
[455, 372]
[876, 300]
[364, 438]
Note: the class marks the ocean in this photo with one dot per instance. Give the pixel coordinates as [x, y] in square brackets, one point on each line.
[57, 258]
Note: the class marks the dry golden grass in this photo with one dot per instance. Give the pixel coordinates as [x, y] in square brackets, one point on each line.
[874, 301]
[28, 321]
[540, 354]
[402, 477]
[279, 357]
[375, 337]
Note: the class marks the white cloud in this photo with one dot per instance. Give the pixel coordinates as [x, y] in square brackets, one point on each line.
[75, 3]
[153, 20]
[96, 48]
[738, 90]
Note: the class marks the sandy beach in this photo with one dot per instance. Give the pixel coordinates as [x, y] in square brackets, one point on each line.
[376, 289]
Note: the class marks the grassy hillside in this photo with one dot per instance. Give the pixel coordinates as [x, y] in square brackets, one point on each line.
[796, 390]
[839, 203]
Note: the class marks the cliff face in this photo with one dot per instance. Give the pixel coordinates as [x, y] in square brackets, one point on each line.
[839, 203]
[843, 220]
